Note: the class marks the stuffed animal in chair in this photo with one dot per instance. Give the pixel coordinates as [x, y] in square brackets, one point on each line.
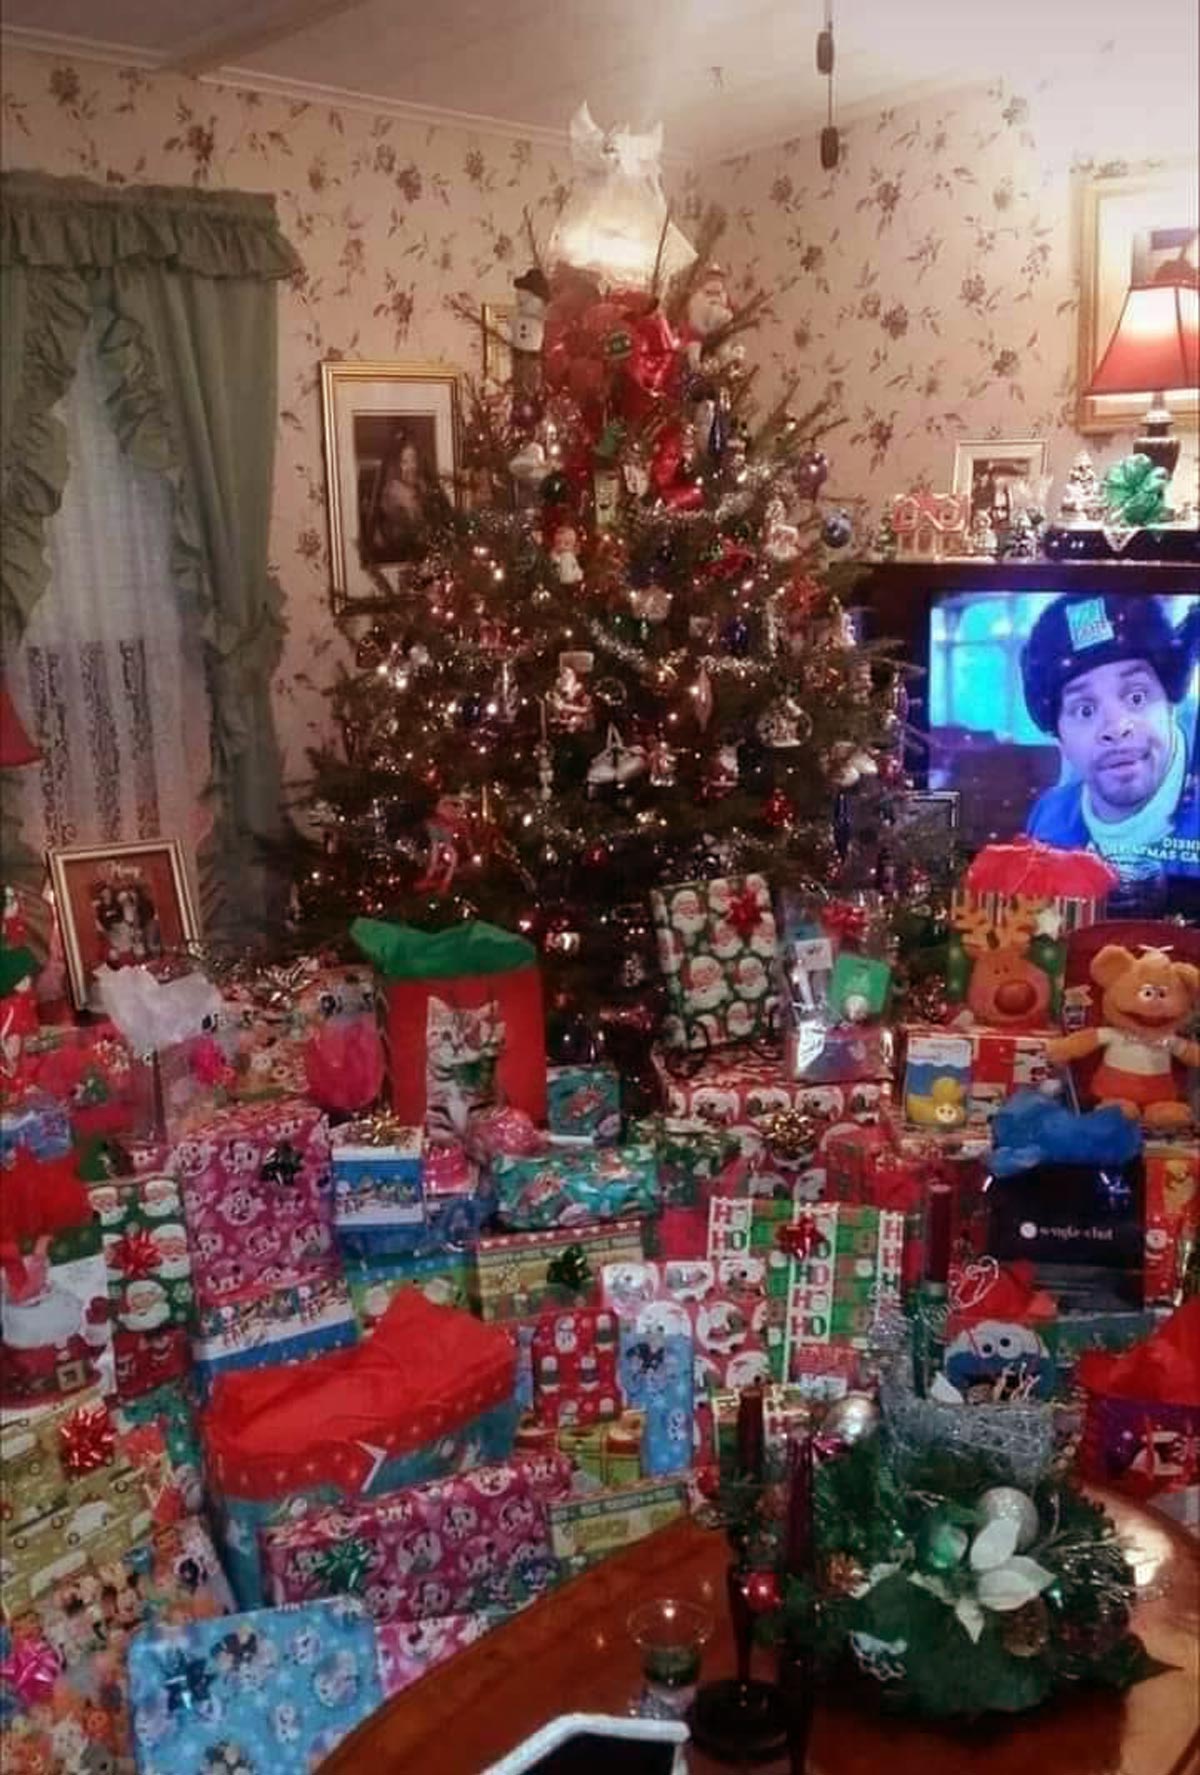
[1146, 1000]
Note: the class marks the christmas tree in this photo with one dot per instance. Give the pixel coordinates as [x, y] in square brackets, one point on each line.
[620, 658]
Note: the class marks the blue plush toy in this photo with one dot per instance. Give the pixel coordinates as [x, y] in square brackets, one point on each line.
[1033, 1130]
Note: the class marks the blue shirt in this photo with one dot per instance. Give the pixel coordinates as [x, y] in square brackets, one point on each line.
[1057, 818]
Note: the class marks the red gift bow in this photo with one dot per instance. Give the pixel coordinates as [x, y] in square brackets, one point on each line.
[87, 1439]
[843, 919]
[746, 911]
[800, 1238]
[135, 1254]
[31, 1670]
[1163, 1368]
[40, 1196]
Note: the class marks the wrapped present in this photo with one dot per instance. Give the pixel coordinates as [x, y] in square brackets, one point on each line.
[356, 1423]
[998, 1333]
[961, 1078]
[565, 1187]
[171, 1409]
[456, 1203]
[264, 1326]
[90, 1070]
[376, 1182]
[445, 1278]
[38, 1122]
[604, 1454]
[832, 1269]
[690, 1153]
[274, 1689]
[411, 1649]
[655, 1368]
[521, 1275]
[1072, 1335]
[55, 1330]
[723, 1304]
[478, 1540]
[585, 1529]
[78, 1492]
[819, 1052]
[1142, 1424]
[463, 1021]
[1171, 1210]
[256, 1197]
[575, 1367]
[716, 945]
[584, 1102]
[149, 1279]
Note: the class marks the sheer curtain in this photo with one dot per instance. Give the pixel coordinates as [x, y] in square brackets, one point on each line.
[109, 675]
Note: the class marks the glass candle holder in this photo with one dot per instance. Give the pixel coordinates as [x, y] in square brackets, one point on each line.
[670, 1634]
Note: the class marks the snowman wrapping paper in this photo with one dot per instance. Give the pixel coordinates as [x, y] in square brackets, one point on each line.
[55, 1323]
[149, 1272]
[266, 1693]
[716, 946]
[574, 1357]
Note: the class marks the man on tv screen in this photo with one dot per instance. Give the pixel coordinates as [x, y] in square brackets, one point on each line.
[1107, 676]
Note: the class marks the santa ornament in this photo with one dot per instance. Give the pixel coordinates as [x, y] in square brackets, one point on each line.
[709, 311]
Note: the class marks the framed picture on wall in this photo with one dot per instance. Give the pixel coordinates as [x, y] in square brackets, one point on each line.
[391, 468]
[985, 468]
[1131, 228]
[119, 905]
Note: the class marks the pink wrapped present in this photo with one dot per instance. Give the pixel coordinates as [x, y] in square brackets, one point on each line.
[410, 1649]
[257, 1199]
[478, 1540]
[575, 1367]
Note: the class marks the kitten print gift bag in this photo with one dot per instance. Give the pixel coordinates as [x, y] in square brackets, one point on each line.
[463, 1024]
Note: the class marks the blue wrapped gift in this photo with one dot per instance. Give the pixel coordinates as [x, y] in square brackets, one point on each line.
[454, 1207]
[575, 1184]
[655, 1375]
[263, 1326]
[39, 1123]
[377, 1184]
[584, 1102]
[274, 1690]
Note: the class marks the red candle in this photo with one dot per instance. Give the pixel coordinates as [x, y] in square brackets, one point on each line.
[800, 1506]
[937, 1235]
[750, 1437]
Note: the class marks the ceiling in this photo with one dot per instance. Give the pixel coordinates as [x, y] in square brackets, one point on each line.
[722, 75]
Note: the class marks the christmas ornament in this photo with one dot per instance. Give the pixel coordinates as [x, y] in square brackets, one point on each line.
[470, 709]
[940, 1544]
[556, 489]
[616, 224]
[851, 1418]
[1082, 500]
[651, 603]
[617, 763]
[708, 312]
[702, 698]
[837, 530]
[724, 772]
[735, 637]
[564, 547]
[783, 725]
[1025, 1633]
[811, 473]
[781, 541]
[1004, 1503]
[778, 811]
[843, 1575]
[529, 467]
[662, 762]
[761, 1591]
[87, 1439]
[791, 1135]
[568, 704]
[446, 832]
[611, 693]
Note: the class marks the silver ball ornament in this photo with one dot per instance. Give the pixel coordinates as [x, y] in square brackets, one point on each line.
[851, 1418]
[1004, 1503]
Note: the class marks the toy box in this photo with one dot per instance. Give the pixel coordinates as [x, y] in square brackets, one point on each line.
[955, 1079]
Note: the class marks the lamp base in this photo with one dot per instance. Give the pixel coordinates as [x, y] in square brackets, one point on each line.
[740, 1722]
[1156, 441]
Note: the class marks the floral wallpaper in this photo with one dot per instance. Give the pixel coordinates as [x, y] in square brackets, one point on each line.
[926, 287]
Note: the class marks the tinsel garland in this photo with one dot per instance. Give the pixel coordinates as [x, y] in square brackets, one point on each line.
[919, 1588]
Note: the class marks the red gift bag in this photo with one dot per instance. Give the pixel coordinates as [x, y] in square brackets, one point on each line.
[462, 1009]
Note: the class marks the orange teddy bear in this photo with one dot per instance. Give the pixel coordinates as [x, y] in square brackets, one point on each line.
[1146, 999]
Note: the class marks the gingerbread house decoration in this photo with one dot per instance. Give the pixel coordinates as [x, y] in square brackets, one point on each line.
[931, 526]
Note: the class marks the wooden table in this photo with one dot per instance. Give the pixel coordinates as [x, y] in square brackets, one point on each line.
[571, 1651]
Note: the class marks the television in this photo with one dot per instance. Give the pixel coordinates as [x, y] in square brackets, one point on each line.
[1061, 701]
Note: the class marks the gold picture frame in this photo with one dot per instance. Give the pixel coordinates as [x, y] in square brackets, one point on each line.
[117, 905]
[1129, 224]
[373, 414]
[495, 324]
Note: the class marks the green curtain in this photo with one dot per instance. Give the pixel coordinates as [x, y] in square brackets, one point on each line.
[181, 286]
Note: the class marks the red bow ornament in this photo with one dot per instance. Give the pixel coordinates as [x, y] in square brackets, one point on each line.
[135, 1254]
[87, 1439]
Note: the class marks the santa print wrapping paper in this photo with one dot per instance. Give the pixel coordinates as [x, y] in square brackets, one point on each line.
[823, 1301]
[356, 1423]
[479, 1540]
[575, 1367]
[149, 1279]
[716, 946]
[573, 1185]
[266, 1693]
[515, 1273]
[257, 1197]
[55, 1326]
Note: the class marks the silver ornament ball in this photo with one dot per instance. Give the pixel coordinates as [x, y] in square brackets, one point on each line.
[851, 1418]
[1004, 1503]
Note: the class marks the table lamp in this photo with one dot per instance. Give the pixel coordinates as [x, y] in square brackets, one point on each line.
[1155, 346]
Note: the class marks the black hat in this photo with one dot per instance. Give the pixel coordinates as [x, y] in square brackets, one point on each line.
[1081, 631]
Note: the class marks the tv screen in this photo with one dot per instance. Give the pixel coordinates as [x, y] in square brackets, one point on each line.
[1071, 717]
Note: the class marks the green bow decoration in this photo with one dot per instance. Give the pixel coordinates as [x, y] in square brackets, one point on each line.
[1135, 491]
[343, 1569]
[570, 1270]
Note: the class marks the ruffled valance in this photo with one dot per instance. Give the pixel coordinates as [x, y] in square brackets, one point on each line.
[74, 225]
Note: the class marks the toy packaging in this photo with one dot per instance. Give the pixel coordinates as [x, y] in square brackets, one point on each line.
[716, 945]
[955, 1080]
[272, 1690]
[565, 1187]
[584, 1102]
[584, 1529]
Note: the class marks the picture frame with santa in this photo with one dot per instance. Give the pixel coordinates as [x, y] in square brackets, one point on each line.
[119, 905]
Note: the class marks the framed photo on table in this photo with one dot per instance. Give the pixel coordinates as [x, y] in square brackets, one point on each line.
[1131, 228]
[119, 905]
[392, 452]
[985, 468]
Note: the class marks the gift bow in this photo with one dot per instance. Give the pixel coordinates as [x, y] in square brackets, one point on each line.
[1135, 490]
[135, 1254]
[843, 919]
[31, 1670]
[799, 1238]
[87, 1439]
[343, 1568]
[282, 1165]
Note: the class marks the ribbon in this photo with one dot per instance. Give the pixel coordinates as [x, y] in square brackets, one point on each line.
[799, 1238]
[382, 1129]
[570, 1270]
[746, 911]
[31, 1670]
[282, 1165]
[87, 1439]
[187, 1681]
[135, 1254]
[1136, 491]
[844, 920]
[343, 1569]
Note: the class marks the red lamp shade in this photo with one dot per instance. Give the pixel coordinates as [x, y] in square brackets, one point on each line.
[1156, 343]
[16, 747]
